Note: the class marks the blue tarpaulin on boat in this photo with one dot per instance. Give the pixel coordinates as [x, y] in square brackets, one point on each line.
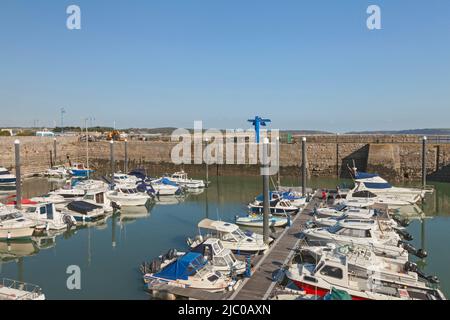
[365, 175]
[138, 173]
[183, 267]
[372, 185]
[167, 181]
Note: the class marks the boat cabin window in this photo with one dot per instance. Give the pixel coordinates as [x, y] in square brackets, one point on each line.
[89, 197]
[335, 229]
[356, 233]
[216, 247]
[220, 261]
[99, 198]
[333, 272]
[364, 194]
[42, 210]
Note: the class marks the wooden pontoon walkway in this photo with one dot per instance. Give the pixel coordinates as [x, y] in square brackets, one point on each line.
[266, 273]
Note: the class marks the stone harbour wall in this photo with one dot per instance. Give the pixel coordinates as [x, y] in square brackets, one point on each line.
[395, 157]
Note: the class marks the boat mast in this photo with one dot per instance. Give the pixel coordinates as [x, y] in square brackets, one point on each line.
[87, 148]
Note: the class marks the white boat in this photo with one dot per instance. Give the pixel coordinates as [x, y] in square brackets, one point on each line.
[44, 215]
[334, 270]
[190, 271]
[7, 180]
[84, 212]
[231, 237]
[164, 187]
[99, 198]
[57, 172]
[76, 189]
[363, 203]
[342, 209]
[125, 196]
[182, 179]
[362, 259]
[382, 239]
[393, 201]
[257, 221]
[278, 207]
[379, 186]
[17, 290]
[13, 225]
[212, 250]
[122, 178]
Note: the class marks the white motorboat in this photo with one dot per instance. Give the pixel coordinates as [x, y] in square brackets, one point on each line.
[375, 283]
[220, 258]
[279, 207]
[125, 196]
[13, 225]
[17, 290]
[77, 189]
[122, 178]
[7, 180]
[393, 201]
[190, 271]
[231, 237]
[374, 183]
[257, 221]
[342, 209]
[84, 212]
[100, 198]
[363, 203]
[164, 187]
[44, 215]
[382, 239]
[362, 259]
[181, 178]
[57, 172]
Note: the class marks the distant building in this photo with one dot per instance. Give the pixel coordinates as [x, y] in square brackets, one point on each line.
[45, 134]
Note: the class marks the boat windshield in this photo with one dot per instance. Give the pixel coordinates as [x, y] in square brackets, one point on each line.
[10, 216]
[239, 234]
[341, 207]
[334, 229]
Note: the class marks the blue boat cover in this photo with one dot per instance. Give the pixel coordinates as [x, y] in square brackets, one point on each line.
[168, 182]
[372, 185]
[365, 175]
[138, 173]
[82, 206]
[183, 267]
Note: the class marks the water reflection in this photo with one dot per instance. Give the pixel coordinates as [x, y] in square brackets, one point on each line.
[116, 245]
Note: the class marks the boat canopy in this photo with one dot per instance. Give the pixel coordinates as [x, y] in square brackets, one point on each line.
[365, 175]
[138, 173]
[168, 182]
[220, 226]
[183, 267]
[374, 185]
[82, 206]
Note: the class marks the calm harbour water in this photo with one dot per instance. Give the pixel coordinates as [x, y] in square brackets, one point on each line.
[110, 253]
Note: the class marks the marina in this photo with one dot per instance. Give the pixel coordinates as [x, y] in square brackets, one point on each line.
[117, 242]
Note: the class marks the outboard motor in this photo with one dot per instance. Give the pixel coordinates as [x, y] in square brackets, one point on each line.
[155, 266]
[420, 253]
[411, 266]
[172, 253]
[402, 222]
[115, 205]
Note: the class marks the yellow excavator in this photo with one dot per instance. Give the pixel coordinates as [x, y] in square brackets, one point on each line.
[114, 135]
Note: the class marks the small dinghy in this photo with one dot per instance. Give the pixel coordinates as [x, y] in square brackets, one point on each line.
[128, 196]
[257, 221]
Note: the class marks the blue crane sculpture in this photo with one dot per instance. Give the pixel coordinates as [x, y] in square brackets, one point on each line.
[257, 123]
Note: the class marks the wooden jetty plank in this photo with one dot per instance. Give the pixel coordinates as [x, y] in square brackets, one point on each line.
[263, 280]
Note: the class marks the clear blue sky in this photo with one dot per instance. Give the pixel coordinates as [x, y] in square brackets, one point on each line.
[304, 64]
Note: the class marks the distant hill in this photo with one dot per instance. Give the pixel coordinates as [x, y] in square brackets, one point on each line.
[410, 131]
